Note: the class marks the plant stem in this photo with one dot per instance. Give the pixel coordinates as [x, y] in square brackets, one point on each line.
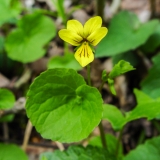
[103, 138]
[88, 74]
[100, 8]
[100, 126]
[119, 140]
[153, 8]
[101, 86]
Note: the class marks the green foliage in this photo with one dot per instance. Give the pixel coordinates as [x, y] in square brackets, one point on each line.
[66, 61]
[25, 44]
[148, 151]
[120, 68]
[111, 142]
[150, 84]
[11, 152]
[60, 107]
[125, 33]
[114, 116]
[146, 108]
[153, 42]
[111, 86]
[7, 99]
[79, 153]
[9, 9]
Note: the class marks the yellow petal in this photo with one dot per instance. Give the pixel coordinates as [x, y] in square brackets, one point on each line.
[95, 37]
[75, 26]
[70, 37]
[84, 54]
[91, 25]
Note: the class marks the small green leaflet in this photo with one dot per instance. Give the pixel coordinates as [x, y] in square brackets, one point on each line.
[120, 68]
[7, 99]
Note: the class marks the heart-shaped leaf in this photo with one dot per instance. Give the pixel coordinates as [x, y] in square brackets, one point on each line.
[62, 107]
[25, 44]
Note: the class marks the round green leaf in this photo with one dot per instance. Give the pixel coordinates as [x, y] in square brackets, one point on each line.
[11, 152]
[125, 33]
[25, 44]
[62, 107]
[7, 99]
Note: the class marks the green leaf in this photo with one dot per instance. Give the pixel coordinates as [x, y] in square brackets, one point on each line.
[125, 33]
[7, 99]
[114, 116]
[141, 97]
[111, 142]
[153, 42]
[9, 9]
[111, 86]
[146, 108]
[148, 151]
[120, 68]
[11, 152]
[66, 61]
[25, 44]
[150, 85]
[62, 107]
[104, 76]
[79, 153]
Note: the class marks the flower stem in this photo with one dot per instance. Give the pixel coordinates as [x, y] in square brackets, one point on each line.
[100, 126]
[88, 74]
[103, 138]
[119, 141]
[100, 8]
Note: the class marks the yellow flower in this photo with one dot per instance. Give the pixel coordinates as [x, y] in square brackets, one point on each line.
[84, 37]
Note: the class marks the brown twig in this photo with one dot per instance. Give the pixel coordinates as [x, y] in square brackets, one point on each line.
[27, 135]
